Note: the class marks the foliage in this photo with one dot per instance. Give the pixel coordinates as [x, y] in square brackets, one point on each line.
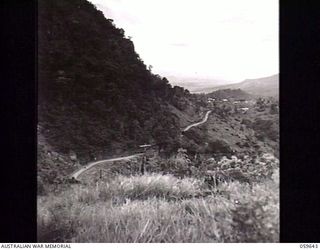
[248, 169]
[52, 167]
[218, 146]
[95, 93]
[261, 104]
[265, 129]
[141, 209]
[274, 109]
[229, 93]
[178, 165]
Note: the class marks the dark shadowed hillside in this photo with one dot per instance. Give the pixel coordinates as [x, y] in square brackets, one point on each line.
[95, 93]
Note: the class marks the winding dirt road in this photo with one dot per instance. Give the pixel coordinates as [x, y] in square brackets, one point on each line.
[198, 123]
[76, 174]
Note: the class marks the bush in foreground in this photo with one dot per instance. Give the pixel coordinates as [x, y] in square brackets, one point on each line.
[137, 209]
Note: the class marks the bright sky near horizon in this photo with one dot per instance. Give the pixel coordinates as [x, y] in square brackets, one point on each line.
[229, 40]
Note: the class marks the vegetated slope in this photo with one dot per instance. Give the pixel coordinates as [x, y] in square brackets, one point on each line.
[230, 130]
[266, 86]
[230, 93]
[171, 207]
[95, 93]
[53, 167]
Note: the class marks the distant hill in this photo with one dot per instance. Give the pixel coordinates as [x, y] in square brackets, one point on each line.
[266, 86]
[230, 93]
[195, 84]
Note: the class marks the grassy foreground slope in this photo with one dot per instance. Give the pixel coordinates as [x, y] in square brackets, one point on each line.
[157, 208]
[172, 207]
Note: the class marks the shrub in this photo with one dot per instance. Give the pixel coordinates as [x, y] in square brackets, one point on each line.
[241, 214]
[247, 170]
[164, 208]
[178, 165]
[41, 190]
[256, 216]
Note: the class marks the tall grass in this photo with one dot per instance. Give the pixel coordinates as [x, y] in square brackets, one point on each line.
[160, 208]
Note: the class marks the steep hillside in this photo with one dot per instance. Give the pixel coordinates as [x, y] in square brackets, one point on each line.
[266, 86]
[95, 93]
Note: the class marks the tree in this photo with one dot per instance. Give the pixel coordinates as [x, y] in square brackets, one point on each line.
[273, 108]
[261, 104]
[182, 162]
[94, 89]
[236, 110]
[165, 80]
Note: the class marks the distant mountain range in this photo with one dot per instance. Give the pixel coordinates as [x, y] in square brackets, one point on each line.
[194, 84]
[266, 86]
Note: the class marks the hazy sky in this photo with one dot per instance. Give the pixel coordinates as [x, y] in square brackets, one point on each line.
[230, 40]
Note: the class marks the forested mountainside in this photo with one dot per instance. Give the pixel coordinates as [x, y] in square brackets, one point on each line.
[95, 93]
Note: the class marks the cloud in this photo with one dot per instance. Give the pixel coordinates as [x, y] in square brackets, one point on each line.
[228, 39]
